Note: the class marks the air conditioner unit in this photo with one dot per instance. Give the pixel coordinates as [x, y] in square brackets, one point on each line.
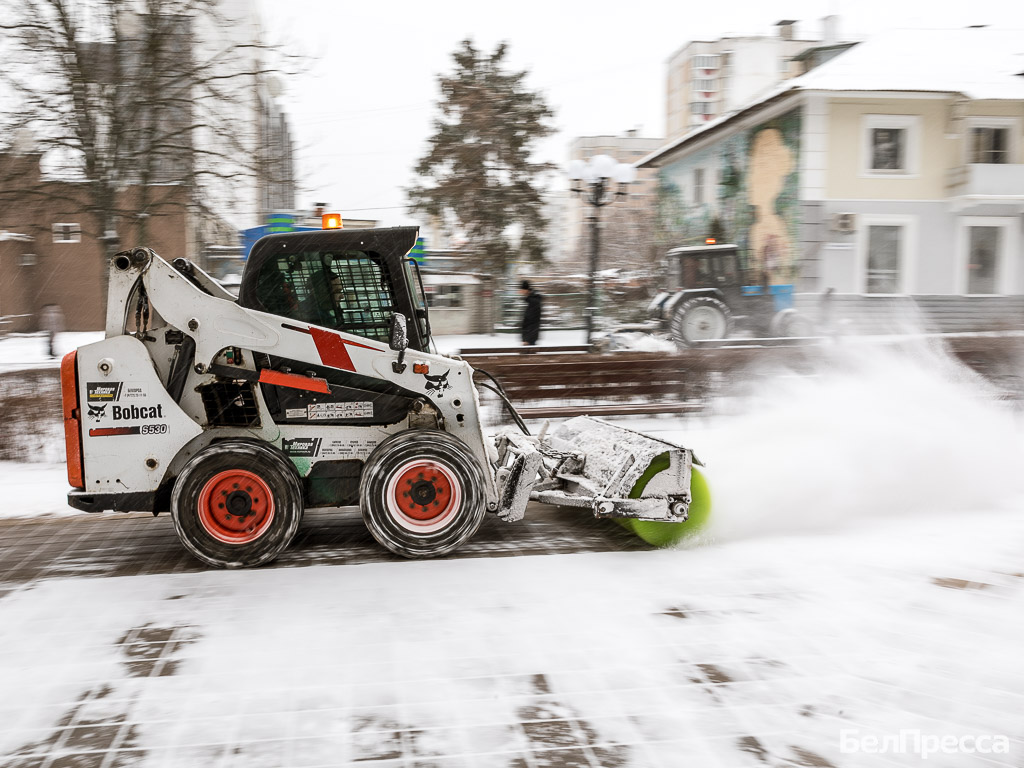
[844, 222]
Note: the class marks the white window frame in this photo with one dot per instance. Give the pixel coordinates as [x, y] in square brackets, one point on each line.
[1013, 130]
[447, 290]
[1007, 249]
[75, 235]
[908, 254]
[909, 123]
[699, 189]
[714, 59]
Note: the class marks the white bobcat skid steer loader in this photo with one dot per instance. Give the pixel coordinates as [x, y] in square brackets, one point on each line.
[312, 390]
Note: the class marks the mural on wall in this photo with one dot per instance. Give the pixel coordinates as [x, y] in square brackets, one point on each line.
[750, 197]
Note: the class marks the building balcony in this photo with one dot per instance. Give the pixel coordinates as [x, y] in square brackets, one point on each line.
[1003, 181]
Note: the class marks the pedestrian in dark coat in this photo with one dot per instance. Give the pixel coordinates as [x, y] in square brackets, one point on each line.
[531, 318]
[51, 321]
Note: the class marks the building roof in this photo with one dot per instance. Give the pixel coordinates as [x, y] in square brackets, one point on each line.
[809, 52]
[979, 63]
[742, 38]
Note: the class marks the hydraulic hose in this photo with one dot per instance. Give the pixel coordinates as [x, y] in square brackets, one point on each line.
[500, 392]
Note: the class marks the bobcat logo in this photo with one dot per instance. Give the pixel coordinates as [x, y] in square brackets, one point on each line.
[437, 384]
[98, 411]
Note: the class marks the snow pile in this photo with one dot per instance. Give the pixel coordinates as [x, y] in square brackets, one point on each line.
[19, 351]
[450, 345]
[875, 433]
[34, 489]
[635, 341]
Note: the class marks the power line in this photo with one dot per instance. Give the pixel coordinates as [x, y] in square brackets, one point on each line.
[375, 208]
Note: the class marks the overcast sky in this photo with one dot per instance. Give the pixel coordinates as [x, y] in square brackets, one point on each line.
[362, 115]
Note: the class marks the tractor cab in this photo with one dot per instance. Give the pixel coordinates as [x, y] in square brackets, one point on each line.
[718, 268]
[353, 281]
[707, 266]
[714, 292]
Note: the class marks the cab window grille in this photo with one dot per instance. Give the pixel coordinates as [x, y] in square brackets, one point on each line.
[347, 291]
[230, 404]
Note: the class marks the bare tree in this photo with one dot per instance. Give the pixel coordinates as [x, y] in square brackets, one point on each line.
[145, 104]
[629, 239]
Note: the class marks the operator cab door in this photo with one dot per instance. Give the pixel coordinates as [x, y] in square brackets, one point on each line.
[351, 281]
[348, 280]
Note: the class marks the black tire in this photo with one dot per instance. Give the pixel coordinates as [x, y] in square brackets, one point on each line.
[422, 493]
[237, 504]
[701, 318]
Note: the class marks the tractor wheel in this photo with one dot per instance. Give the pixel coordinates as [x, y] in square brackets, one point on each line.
[237, 504]
[700, 319]
[422, 493]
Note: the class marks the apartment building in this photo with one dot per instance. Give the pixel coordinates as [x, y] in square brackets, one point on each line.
[52, 253]
[710, 78]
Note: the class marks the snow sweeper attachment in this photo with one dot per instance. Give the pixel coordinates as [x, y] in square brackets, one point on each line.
[648, 485]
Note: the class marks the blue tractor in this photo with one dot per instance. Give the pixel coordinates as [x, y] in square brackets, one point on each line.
[712, 296]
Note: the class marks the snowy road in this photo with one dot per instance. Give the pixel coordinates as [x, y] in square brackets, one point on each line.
[858, 602]
[775, 651]
[137, 544]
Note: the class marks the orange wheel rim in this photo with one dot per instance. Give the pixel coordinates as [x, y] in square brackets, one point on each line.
[236, 506]
[423, 496]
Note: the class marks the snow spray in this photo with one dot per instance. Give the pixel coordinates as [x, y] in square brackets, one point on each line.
[874, 432]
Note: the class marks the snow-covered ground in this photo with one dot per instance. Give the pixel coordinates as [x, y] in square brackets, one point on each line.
[777, 650]
[640, 342]
[450, 345]
[861, 588]
[34, 490]
[19, 351]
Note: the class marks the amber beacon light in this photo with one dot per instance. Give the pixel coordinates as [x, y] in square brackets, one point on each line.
[332, 221]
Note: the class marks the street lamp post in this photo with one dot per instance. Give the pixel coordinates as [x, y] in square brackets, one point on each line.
[592, 180]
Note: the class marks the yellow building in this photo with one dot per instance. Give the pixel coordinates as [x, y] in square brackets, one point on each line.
[894, 169]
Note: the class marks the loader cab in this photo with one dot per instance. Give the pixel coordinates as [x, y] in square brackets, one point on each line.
[353, 281]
